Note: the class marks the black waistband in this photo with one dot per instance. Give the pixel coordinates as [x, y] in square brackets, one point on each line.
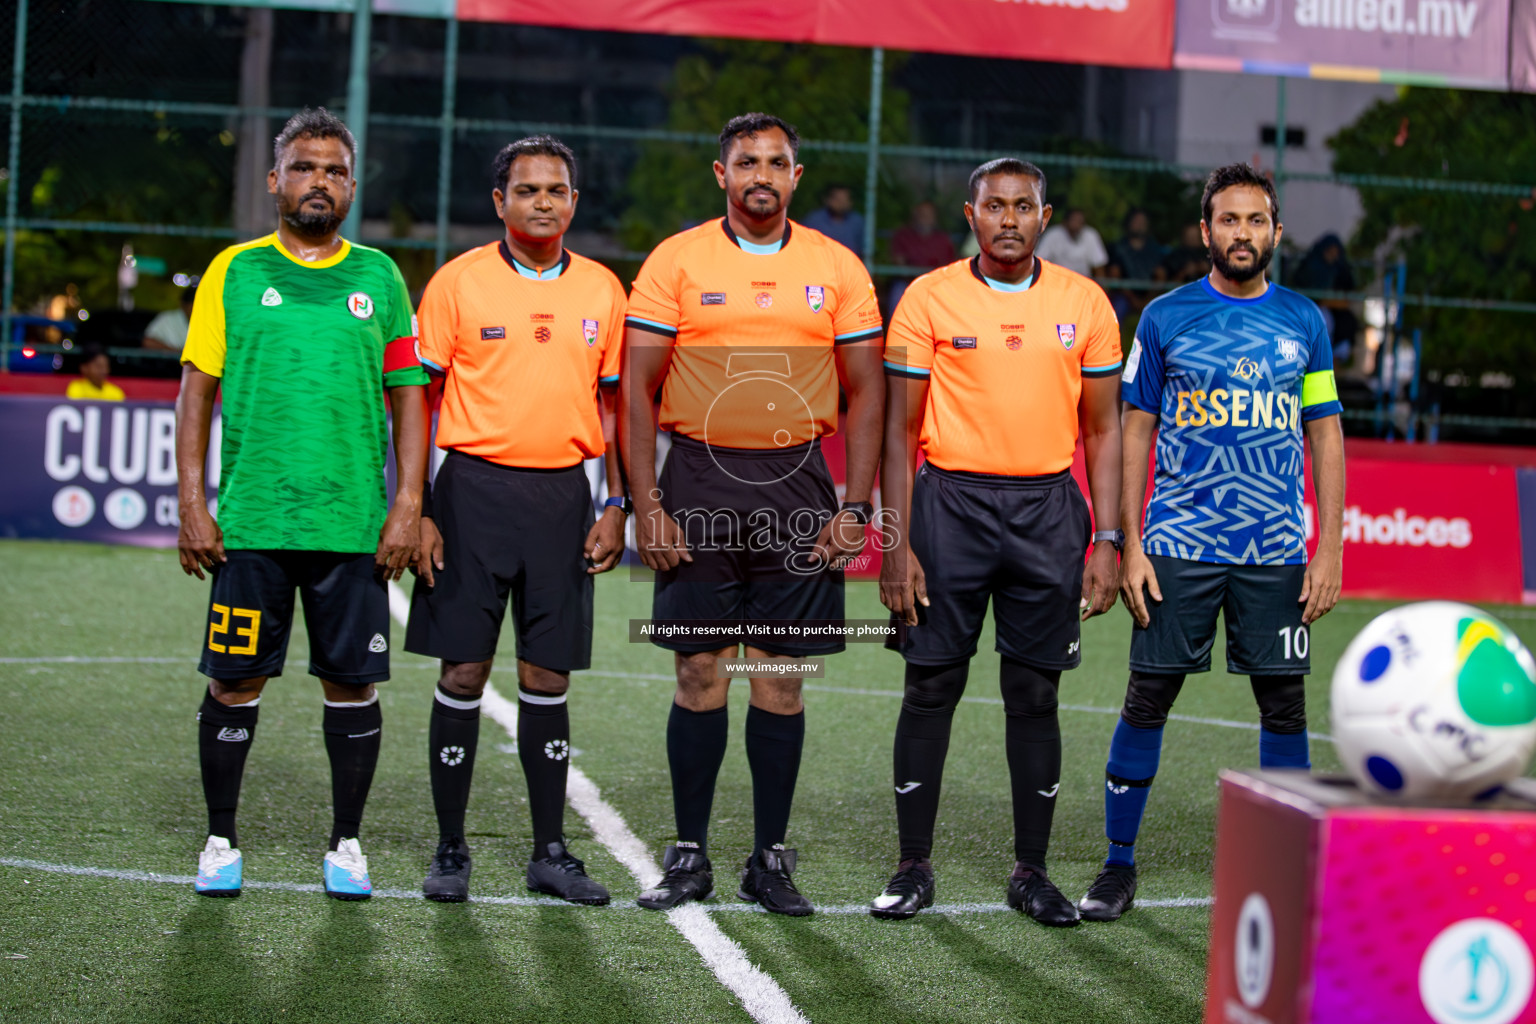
[476, 460]
[792, 451]
[1044, 482]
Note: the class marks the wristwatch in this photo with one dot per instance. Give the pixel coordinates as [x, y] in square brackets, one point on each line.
[863, 511]
[622, 504]
[1115, 537]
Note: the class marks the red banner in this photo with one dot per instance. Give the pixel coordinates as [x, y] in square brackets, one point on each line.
[1128, 33]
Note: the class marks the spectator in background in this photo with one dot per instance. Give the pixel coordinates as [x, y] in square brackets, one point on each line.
[92, 384]
[919, 243]
[1137, 256]
[168, 330]
[1325, 268]
[1074, 245]
[1188, 261]
[837, 219]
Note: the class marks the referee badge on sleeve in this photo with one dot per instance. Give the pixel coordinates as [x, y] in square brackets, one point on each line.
[589, 331]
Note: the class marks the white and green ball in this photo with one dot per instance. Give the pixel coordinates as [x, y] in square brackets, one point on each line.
[1435, 701]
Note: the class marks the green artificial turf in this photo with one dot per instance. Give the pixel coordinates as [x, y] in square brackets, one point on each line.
[98, 769]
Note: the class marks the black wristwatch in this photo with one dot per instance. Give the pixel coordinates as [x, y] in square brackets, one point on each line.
[622, 504]
[863, 511]
[1115, 537]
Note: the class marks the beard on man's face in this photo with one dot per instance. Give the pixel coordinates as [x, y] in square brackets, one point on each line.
[313, 222]
[1242, 273]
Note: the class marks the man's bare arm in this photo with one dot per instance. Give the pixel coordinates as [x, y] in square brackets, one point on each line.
[1099, 421]
[646, 358]
[199, 541]
[902, 583]
[1325, 572]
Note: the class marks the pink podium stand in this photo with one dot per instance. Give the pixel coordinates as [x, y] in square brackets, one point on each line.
[1334, 909]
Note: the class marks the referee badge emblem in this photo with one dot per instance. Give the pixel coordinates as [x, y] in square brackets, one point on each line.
[1068, 335]
[589, 331]
[360, 305]
[815, 297]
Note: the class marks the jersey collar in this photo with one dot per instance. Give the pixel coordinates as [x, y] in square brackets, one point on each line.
[528, 272]
[329, 261]
[1269, 289]
[756, 250]
[1000, 286]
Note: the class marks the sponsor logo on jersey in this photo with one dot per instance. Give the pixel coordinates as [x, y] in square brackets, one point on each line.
[1132, 363]
[1289, 349]
[271, 298]
[712, 299]
[229, 735]
[963, 342]
[541, 316]
[1013, 341]
[1067, 333]
[360, 305]
[1238, 407]
[589, 332]
[815, 297]
[378, 645]
[492, 333]
[763, 300]
[542, 334]
[1246, 369]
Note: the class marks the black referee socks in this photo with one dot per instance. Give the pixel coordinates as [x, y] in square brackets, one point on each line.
[224, 735]
[453, 731]
[921, 747]
[774, 743]
[352, 735]
[695, 748]
[544, 748]
[1033, 742]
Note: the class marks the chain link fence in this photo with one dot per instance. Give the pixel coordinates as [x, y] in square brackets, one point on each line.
[140, 136]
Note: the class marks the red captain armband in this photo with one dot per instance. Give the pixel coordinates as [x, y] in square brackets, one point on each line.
[401, 354]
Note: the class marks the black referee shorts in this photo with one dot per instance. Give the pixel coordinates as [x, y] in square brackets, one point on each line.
[1265, 634]
[508, 532]
[750, 518]
[250, 614]
[1018, 541]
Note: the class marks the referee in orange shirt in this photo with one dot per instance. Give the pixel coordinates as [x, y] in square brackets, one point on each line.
[747, 324]
[997, 363]
[527, 337]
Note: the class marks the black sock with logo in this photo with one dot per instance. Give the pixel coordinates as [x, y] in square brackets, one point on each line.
[1033, 742]
[695, 747]
[774, 744]
[544, 748]
[921, 747]
[224, 735]
[352, 736]
[453, 732]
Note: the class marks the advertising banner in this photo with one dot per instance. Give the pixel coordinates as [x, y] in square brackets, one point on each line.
[1522, 46]
[1130, 33]
[1426, 42]
[96, 471]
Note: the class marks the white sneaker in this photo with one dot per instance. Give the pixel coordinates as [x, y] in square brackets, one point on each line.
[219, 868]
[346, 872]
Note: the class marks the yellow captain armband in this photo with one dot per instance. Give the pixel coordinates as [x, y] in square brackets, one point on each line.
[1318, 389]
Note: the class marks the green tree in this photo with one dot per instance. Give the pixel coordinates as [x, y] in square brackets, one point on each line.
[1454, 244]
[822, 90]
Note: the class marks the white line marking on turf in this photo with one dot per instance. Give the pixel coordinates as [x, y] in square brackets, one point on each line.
[760, 995]
[71, 659]
[125, 875]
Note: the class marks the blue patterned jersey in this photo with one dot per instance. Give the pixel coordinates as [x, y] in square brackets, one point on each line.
[1231, 382]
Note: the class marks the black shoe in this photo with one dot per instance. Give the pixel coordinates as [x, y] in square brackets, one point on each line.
[562, 875]
[765, 881]
[686, 875]
[1030, 891]
[908, 891]
[448, 874]
[1111, 894]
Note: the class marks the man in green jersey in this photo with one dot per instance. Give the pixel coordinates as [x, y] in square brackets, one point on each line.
[299, 330]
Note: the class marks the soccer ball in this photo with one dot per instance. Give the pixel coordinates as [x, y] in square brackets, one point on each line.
[1435, 701]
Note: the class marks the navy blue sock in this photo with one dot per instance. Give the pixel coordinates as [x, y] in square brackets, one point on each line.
[1133, 757]
[1283, 750]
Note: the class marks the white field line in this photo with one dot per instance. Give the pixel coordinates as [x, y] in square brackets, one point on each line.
[760, 995]
[844, 909]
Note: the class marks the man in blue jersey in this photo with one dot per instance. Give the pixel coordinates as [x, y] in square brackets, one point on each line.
[1230, 372]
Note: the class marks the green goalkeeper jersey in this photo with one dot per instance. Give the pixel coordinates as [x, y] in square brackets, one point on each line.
[303, 351]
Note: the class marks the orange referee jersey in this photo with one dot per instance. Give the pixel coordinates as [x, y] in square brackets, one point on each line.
[523, 356]
[752, 365]
[1005, 368]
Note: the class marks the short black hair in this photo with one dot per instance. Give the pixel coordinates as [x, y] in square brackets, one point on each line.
[1233, 176]
[533, 145]
[313, 123]
[749, 125]
[1005, 165]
